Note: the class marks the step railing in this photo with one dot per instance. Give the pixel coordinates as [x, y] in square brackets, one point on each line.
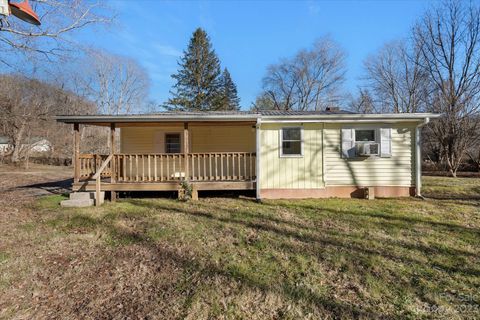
[90, 163]
[98, 178]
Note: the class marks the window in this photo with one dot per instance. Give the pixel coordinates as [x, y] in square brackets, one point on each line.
[172, 143]
[351, 138]
[291, 142]
[365, 135]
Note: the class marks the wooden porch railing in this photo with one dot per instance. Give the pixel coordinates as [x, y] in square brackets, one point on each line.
[90, 163]
[163, 167]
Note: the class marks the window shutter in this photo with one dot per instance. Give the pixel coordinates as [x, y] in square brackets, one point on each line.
[348, 143]
[385, 142]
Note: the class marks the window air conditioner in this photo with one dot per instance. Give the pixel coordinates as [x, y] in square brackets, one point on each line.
[367, 149]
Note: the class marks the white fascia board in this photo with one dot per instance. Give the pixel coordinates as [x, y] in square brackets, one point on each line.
[381, 117]
[155, 118]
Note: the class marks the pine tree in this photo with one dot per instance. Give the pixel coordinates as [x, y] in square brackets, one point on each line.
[198, 82]
[228, 98]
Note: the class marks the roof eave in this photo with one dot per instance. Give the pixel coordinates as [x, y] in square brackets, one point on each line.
[156, 118]
[354, 117]
[400, 117]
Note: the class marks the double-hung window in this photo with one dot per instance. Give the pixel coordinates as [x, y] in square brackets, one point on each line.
[291, 141]
[172, 143]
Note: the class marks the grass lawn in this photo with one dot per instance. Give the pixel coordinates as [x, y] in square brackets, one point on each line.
[235, 258]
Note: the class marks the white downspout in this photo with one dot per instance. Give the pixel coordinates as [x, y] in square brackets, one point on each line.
[324, 179]
[258, 163]
[418, 158]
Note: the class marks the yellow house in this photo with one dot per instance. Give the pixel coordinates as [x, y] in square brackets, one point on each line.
[279, 154]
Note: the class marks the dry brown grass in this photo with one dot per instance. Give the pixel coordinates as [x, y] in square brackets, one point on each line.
[233, 258]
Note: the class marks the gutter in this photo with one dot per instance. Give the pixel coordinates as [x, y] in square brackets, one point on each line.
[245, 117]
[418, 158]
[348, 117]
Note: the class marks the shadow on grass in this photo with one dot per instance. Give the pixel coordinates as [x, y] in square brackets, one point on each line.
[390, 216]
[61, 187]
[308, 240]
[337, 240]
[205, 268]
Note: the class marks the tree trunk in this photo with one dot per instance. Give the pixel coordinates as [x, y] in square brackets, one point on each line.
[17, 144]
[453, 173]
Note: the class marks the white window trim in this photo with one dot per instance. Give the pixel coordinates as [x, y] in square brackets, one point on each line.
[376, 131]
[301, 155]
[378, 139]
[165, 141]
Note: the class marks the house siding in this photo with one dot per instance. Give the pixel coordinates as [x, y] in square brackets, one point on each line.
[294, 173]
[240, 138]
[397, 170]
[303, 172]
[146, 139]
[220, 138]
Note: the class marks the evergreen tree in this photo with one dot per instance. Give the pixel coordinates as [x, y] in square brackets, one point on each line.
[198, 81]
[228, 98]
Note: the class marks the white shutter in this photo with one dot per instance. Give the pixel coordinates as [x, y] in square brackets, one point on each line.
[385, 142]
[348, 143]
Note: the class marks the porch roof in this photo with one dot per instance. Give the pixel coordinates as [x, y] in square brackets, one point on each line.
[247, 116]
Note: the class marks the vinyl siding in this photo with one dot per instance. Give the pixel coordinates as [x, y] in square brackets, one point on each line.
[203, 139]
[219, 138]
[303, 172]
[146, 139]
[398, 170]
[223, 138]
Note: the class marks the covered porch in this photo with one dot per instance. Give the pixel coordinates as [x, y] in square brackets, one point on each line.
[164, 156]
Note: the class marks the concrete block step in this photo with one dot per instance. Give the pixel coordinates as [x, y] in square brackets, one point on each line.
[86, 195]
[77, 203]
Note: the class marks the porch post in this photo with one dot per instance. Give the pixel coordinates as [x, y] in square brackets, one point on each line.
[113, 194]
[186, 148]
[76, 152]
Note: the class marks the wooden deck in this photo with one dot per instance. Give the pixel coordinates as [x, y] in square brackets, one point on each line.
[163, 186]
[165, 172]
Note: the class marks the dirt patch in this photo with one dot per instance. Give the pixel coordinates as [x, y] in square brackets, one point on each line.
[18, 185]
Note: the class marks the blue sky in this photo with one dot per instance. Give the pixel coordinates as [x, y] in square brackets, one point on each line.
[250, 35]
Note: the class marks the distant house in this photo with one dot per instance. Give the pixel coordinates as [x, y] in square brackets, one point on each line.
[38, 144]
[280, 154]
[4, 144]
[33, 145]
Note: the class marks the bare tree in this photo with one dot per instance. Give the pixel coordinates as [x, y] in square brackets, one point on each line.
[59, 19]
[397, 79]
[309, 81]
[117, 84]
[362, 103]
[449, 40]
[27, 107]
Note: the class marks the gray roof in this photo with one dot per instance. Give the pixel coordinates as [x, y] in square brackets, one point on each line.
[264, 116]
[301, 113]
[4, 140]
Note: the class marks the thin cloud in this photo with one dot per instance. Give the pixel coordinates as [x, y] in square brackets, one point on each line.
[166, 50]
